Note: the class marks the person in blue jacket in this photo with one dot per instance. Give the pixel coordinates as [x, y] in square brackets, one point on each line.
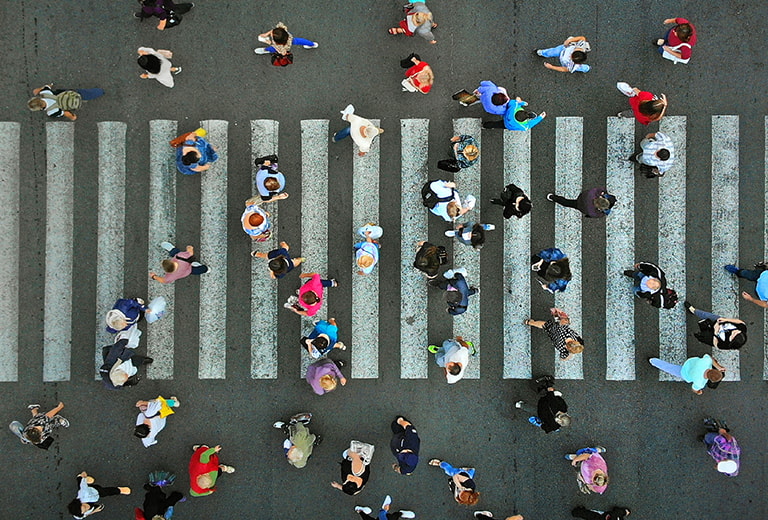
[457, 290]
[125, 313]
[195, 155]
[516, 117]
[553, 267]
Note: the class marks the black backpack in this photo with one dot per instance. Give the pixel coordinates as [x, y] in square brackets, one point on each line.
[664, 299]
[430, 199]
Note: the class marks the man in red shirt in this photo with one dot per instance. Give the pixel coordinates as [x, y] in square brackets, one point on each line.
[677, 44]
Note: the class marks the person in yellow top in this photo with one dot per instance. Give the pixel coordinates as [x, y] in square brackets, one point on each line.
[151, 418]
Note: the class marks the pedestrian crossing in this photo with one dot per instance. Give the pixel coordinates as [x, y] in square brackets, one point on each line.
[365, 328]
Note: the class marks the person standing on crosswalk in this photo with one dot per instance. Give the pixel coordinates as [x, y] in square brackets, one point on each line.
[453, 357]
[701, 372]
[180, 264]
[269, 182]
[515, 201]
[553, 269]
[551, 412]
[361, 130]
[40, 427]
[494, 98]
[157, 64]
[324, 375]
[466, 153]
[60, 102]
[280, 261]
[457, 290]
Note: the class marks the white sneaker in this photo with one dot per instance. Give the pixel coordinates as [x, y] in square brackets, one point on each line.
[462, 271]
[315, 45]
[366, 510]
[350, 109]
[279, 425]
[489, 227]
[450, 233]
[167, 246]
[448, 274]
[519, 404]
[407, 514]
[387, 501]
[484, 513]
[261, 50]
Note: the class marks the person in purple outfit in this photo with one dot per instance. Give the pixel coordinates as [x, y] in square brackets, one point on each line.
[722, 446]
[324, 375]
[166, 11]
[593, 203]
[493, 97]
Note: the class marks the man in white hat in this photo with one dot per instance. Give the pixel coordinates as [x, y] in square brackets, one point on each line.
[361, 130]
[722, 447]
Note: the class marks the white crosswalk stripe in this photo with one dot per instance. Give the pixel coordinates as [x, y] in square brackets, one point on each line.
[266, 311]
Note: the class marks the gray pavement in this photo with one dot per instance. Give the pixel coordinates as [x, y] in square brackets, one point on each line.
[649, 427]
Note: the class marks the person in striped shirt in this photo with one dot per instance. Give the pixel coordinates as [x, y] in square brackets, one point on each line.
[722, 446]
[657, 153]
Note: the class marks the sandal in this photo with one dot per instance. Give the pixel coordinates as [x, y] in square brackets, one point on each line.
[434, 462]
[397, 30]
[527, 321]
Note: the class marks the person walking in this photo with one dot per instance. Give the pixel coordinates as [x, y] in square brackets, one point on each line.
[180, 264]
[280, 261]
[461, 482]
[61, 102]
[429, 258]
[168, 12]
[40, 427]
[453, 357]
[551, 412]
[324, 375]
[759, 275]
[471, 234]
[701, 372]
[644, 106]
[269, 182]
[384, 514]
[255, 221]
[405, 446]
[193, 153]
[367, 252]
[279, 42]
[310, 295]
[592, 476]
[157, 65]
[566, 341]
[418, 20]
[323, 339]
[495, 99]
[457, 290]
[516, 117]
[355, 467]
[125, 313]
[466, 153]
[121, 363]
[722, 446]
[443, 200]
[89, 494]
[572, 55]
[615, 513]
[651, 285]
[514, 200]
[593, 203]
[657, 155]
[419, 76]
[487, 515]
[152, 418]
[552, 268]
[678, 42]
[360, 129]
[300, 442]
[716, 331]
[157, 504]
[205, 469]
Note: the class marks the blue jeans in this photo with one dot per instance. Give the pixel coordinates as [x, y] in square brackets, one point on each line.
[342, 134]
[666, 42]
[296, 41]
[749, 274]
[704, 315]
[326, 283]
[667, 367]
[553, 52]
[89, 93]
[451, 471]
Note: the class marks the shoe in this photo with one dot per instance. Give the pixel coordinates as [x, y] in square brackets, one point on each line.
[407, 514]
[361, 509]
[334, 282]
[315, 45]
[484, 513]
[540, 52]
[148, 361]
[434, 462]
[535, 421]
[659, 42]
[489, 227]
[288, 305]
[64, 423]
[550, 197]
[629, 272]
[137, 15]
[690, 308]
[339, 345]
[349, 109]
[433, 349]
[449, 274]
[279, 425]
[476, 289]
[731, 269]
[32, 406]
[570, 456]
[387, 501]
[124, 490]
[261, 50]
[166, 245]
[600, 449]
[450, 233]
[177, 71]
[519, 404]
[226, 469]
[487, 125]
[303, 418]
[620, 114]
[196, 447]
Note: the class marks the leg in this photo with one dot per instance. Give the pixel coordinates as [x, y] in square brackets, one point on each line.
[199, 269]
[106, 491]
[365, 516]
[304, 42]
[440, 357]
[90, 93]
[748, 274]
[341, 134]
[16, 428]
[449, 470]
[704, 315]
[586, 514]
[449, 165]
[669, 368]
[568, 203]
[182, 8]
[553, 52]
[174, 251]
[494, 124]
[328, 283]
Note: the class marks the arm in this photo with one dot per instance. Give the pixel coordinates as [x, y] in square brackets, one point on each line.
[725, 434]
[205, 458]
[670, 20]
[190, 250]
[307, 275]
[534, 323]
[555, 67]
[156, 278]
[161, 25]
[717, 365]
[580, 458]
[301, 312]
[574, 39]
[201, 168]
[36, 91]
[55, 411]
[750, 298]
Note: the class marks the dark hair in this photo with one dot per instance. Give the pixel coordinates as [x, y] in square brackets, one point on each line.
[190, 157]
[524, 115]
[278, 265]
[663, 154]
[524, 207]
[579, 56]
[714, 375]
[320, 343]
[652, 107]
[558, 269]
[478, 236]
[454, 369]
[453, 297]
[149, 62]
[310, 298]
[738, 340]
[132, 381]
[271, 183]
[684, 31]
[279, 36]
[74, 508]
[141, 431]
[33, 435]
[427, 259]
[499, 99]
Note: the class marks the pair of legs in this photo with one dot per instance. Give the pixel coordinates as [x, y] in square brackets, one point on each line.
[89, 93]
[748, 274]
[307, 44]
[494, 124]
[568, 203]
[669, 368]
[552, 52]
[450, 470]
[342, 134]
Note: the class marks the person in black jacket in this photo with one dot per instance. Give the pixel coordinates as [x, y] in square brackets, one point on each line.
[121, 364]
[515, 202]
[616, 513]
[551, 410]
[651, 285]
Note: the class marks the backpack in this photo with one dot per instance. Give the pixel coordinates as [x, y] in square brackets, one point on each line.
[282, 60]
[430, 199]
[67, 100]
[664, 299]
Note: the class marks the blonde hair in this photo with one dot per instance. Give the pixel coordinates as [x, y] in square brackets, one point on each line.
[573, 346]
[365, 261]
[328, 383]
[420, 18]
[205, 481]
[453, 209]
[600, 478]
[35, 104]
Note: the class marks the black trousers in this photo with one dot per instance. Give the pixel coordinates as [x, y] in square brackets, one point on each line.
[390, 516]
[568, 203]
[494, 124]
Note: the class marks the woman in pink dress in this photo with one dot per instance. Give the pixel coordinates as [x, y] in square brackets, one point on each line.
[310, 295]
[593, 471]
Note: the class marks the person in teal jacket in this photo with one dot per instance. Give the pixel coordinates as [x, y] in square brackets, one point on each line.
[516, 117]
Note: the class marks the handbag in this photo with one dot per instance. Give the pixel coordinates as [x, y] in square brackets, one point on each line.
[282, 60]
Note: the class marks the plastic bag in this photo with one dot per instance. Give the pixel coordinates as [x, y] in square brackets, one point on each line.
[156, 310]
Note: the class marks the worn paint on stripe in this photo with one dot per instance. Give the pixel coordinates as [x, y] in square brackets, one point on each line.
[414, 357]
[10, 142]
[57, 329]
[111, 236]
[620, 251]
[162, 228]
[517, 257]
[672, 217]
[213, 253]
[365, 289]
[725, 229]
[568, 233]
[468, 181]
[264, 305]
[314, 224]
